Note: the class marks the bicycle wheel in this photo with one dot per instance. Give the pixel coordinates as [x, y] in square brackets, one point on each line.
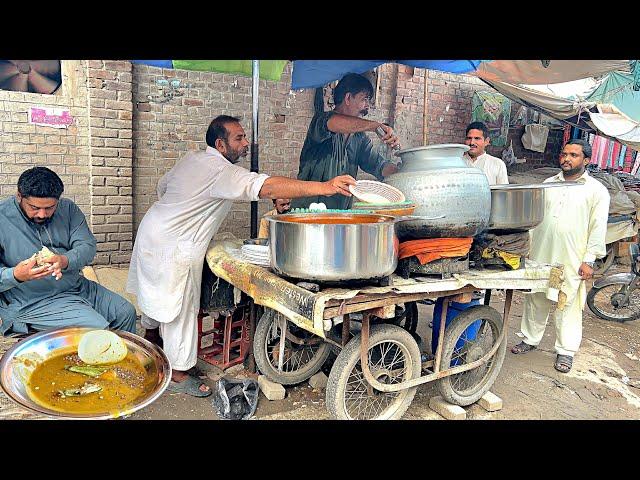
[300, 362]
[393, 357]
[469, 337]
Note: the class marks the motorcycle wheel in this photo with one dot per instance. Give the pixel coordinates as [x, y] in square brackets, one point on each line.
[605, 302]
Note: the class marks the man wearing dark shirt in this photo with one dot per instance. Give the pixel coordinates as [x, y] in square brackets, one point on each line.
[336, 143]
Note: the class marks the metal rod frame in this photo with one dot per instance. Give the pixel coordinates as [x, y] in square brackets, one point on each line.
[364, 349]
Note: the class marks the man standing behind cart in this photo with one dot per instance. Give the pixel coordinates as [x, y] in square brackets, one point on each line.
[572, 234]
[337, 145]
[477, 138]
[280, 206]
[168, 255]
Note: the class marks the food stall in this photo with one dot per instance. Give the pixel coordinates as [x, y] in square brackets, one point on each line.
[332, 282]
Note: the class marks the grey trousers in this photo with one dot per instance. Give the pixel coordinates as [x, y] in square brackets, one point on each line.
[93, 306]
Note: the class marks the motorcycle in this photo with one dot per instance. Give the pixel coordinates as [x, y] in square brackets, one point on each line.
[617, 297]
[614, 235]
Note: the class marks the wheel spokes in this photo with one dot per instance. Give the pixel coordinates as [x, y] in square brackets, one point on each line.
[470, 349]
[295, 356]
[604, 302]
[388, 362]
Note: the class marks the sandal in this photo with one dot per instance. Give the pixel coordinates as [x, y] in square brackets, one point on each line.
[563, 363]
[522, 348]
[190, 386]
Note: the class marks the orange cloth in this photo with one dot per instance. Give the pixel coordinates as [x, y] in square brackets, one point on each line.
[431, 249]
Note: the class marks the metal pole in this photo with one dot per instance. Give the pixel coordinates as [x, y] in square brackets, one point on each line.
[254, 141]
[255, 84]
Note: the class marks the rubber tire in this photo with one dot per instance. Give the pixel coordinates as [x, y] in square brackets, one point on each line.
[604, 266]
[591, 303]
[453, 332]
[284, 378]
[349, 358]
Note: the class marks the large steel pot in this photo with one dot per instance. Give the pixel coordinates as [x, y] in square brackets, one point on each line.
[516, 207]
[333, 247]
[437, 179]
[519, 207]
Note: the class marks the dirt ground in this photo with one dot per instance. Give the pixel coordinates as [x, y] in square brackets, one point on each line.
[603, 384]
[598, 387]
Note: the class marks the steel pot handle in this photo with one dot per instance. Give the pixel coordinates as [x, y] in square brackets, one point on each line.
[406, 218]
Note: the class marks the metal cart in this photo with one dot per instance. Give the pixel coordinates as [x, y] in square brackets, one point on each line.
[378, 365]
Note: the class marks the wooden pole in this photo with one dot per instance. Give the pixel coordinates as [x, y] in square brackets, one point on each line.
[425, 116]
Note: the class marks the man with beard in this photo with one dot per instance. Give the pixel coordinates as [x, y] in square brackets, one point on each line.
[168, 255]
[477, 137]
[49, 292]
[572, 234]
[336, 143]
[280, 205]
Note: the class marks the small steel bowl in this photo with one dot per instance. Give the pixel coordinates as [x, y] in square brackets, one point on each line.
[14, 373]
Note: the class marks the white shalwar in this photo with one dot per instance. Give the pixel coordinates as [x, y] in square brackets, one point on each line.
[572, 232]
[165, 273]
[493, 167]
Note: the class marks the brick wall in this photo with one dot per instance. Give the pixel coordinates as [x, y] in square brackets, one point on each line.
[534, 159]
[64, 150]
[110, 149]
[164, 132]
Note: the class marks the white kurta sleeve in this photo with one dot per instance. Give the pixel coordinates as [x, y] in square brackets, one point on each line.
[162, 185]
[502, 177]
[597, 226]
[238, 183]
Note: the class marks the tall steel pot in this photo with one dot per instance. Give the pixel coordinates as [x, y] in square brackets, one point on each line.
[333, 247]
[437, 179]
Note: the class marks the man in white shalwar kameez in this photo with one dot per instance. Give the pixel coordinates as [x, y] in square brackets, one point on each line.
[477, 138]
[195, 196]
[572, 234]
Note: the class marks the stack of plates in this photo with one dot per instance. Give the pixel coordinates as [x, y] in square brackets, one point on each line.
[256, 254]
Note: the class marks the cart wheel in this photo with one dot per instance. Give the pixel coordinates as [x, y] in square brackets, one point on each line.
[393, 358]
[461, 346]
[300, 362]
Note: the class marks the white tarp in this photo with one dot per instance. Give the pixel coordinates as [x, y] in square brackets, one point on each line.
[608, 120]
[612, 122]
[557, 107]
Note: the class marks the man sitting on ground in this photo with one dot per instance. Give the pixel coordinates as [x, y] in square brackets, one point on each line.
[48, 291]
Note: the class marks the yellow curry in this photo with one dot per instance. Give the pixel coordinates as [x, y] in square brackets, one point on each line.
[65, 384]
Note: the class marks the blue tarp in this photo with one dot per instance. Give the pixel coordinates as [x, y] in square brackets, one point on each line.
[317, 73]
[155, 63]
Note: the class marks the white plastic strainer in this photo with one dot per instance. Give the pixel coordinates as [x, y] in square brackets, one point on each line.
[369, 191]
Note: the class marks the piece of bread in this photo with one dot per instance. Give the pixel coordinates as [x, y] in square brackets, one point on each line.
[42, 255]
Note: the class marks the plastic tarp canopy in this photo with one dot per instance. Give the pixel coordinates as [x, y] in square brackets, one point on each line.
[557, 107]
[613, 123]
[317, 73]
[269, 69]
[586, 112]
[533, 72]
[617, 90]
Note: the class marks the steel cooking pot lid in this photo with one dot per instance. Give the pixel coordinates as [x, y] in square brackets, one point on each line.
[393, 205]
[518, 186]
[433, 147]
